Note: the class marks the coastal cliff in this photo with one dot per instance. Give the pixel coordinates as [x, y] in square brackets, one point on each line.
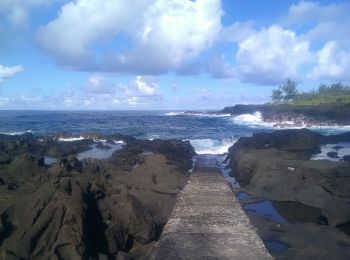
[297, 115]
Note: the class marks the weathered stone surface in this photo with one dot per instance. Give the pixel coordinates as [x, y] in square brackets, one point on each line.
[112, 208]
[269, 167]
[208, 223]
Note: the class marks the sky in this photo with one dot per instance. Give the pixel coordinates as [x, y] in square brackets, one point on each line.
[166, 54]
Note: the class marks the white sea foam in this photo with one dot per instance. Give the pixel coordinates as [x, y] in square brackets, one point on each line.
[71, 139]
[335, 128]
[119, 142]
[174, 113]
[210, 146]
[16, 133]
[201, 114]
[96, 140]
[151, 137]
[255, 119]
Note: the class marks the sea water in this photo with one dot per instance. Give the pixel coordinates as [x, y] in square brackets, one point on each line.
[209, 133]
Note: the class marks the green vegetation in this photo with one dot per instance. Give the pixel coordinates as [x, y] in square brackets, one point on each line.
[336, 93]
[285, 92]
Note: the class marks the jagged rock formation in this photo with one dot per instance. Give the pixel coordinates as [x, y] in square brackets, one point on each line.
[89, 209]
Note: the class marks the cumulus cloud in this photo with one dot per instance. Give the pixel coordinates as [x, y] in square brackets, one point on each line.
[271, 55]
[99, 92]
[141, 87]
[329, 28]
[164, 33]
[4, 101]
[332, 63]
[98, 84]
[327, 22]
[238, 31]
[308, 12]
[218, 67]
[17, 12]
[7, 72]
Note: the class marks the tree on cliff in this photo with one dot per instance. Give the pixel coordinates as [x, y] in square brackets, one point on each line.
[290, 90]
[277, 95]
[285, 92]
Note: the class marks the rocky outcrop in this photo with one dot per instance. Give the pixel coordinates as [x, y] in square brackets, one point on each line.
[312, 195]
[89, 209]
[277, 166]
[300, 115]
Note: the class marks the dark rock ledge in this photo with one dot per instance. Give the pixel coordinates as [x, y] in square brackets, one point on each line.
[90, 209]
[312, 195]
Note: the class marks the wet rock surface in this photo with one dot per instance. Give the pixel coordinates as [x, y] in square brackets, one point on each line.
[86, 209]
[312, 196]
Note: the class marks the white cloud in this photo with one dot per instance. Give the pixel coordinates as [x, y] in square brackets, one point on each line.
[17, 12]
[306, 12]
[98, 84]
[238, 31]
[218, 68]
[329, 27]
[7, 72]
[4, 101]
[328, 22]
[141, 87]
[146, 87]
[100, 93]
[164, 33]
[332, 63]
[271, 55]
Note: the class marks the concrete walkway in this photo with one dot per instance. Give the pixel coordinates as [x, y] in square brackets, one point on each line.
[207, 221]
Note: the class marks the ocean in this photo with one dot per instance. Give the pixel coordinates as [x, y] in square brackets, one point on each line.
[208, 133]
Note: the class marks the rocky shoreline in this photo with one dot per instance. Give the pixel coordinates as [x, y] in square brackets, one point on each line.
[113, 208]
[311, 197]
[288, 115]
[56, 206]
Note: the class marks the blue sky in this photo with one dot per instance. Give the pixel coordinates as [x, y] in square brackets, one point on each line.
[166, 54]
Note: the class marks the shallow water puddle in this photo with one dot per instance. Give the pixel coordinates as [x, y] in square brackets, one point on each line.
[265, 209]
[275, 246]
[225, 171]
[97, 152]
[338, 149]
[242, 195]
[48, 160]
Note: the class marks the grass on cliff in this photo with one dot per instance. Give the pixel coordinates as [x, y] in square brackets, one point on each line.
[323, 100]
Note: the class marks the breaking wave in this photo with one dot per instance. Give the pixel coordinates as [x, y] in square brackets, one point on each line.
[211, 146]
[16, 133]
[251, 119]
[196, 114]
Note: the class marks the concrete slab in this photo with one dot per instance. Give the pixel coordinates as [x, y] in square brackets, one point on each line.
[208, 222]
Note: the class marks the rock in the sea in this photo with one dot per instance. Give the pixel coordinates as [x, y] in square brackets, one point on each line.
[303, 140]
[333, 155]
[337, 147]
